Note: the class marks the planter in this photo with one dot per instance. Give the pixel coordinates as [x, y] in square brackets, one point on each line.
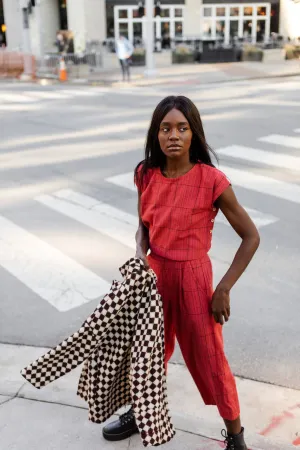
[217, 55]
[252, 56]
[292, 51]
[138, 60]
[274, 55]
[184, 58]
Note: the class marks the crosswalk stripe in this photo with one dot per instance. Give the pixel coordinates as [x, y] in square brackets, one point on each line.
[80, 93]
[260, 156]
[262, 184]
[15, 98]
[48, 95]
[297, 130]
[260, 219]
[102, 217]
[279, 139]
[56, 278]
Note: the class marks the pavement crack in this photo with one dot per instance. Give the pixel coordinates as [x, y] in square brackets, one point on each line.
[14, 396]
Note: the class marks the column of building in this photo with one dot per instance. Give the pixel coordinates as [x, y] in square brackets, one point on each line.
[192, 18]
[87, 21]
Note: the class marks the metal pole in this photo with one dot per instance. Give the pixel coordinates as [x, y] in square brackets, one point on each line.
[27, 74]
[150, 69]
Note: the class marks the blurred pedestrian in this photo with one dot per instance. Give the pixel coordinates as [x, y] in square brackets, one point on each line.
[60, 42]
[124, 50]
[180, 193]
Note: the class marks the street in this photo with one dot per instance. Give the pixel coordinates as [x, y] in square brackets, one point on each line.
[69, 208]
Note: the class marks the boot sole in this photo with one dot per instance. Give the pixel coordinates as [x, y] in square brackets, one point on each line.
[120, 436]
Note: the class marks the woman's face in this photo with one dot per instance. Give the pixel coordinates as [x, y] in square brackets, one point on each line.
[175, 134]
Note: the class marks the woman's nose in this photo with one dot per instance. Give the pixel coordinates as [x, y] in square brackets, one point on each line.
[173, 134]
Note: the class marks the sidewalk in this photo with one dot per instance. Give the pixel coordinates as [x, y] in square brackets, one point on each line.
[189, 74]
[55, 418]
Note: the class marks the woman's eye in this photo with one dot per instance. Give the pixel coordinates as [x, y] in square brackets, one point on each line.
[165, 130]
[183, 129]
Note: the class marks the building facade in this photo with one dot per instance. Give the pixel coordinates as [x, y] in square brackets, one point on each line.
[96, 20]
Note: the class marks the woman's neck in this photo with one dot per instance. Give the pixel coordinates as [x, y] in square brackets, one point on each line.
[177, 166]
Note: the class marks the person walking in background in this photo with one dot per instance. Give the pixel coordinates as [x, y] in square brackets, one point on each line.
[124, 50]
[180, 193]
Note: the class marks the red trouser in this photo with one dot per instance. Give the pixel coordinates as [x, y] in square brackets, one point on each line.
[186, 291]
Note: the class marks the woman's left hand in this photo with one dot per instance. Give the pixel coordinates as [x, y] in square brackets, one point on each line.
[220, 305]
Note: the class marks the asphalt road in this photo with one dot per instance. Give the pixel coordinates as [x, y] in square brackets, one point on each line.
[63, 155]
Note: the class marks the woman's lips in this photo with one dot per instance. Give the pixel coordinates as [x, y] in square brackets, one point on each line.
[174, 147]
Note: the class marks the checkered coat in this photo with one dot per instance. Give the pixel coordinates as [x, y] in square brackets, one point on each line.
[122, 347]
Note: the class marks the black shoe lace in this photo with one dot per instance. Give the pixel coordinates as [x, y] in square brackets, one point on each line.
[228, 440]
[126, 417]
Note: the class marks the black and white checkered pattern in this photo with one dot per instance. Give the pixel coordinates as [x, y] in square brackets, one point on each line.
[122, 347]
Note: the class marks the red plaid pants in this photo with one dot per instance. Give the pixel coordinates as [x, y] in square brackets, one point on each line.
[186, 290]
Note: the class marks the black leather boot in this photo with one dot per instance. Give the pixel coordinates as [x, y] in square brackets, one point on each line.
[234, 441]
[122, 428]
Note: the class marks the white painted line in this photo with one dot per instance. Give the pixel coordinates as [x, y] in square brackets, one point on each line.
[260, 219]
[99, 216]
[15, 98]
[279, 139]
[124, 180]
[263, 185]
[260, 156]
[79, 93]
[55, 277]
[297, 130]
[48, 95]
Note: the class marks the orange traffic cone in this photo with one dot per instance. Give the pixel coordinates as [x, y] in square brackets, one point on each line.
[63, 76]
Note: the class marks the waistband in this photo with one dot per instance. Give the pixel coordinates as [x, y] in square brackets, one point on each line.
[203, 257]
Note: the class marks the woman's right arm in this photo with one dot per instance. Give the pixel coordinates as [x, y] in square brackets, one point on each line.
[142, 238]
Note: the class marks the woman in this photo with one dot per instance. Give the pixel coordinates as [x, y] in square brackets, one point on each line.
[180, 193]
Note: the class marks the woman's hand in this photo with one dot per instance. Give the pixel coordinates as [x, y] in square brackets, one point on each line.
[142, 255]
[220, 305]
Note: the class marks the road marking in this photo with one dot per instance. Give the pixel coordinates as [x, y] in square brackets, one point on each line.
[48, 95]
[262, 184]
[15, 98]
[124, 180]
[260, 156]
[55, 277]
[260, 219]
[99, 216]
[279, 139]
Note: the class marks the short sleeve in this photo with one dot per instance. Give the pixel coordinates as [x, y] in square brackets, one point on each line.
[221, 183]
[142, 182]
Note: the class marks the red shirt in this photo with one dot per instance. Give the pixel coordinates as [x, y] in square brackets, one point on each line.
[180, 212]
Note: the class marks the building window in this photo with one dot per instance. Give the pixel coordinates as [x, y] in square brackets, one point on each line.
[207, 12]
[247, 29]
[260, 30]
[248, 11]
[169, 25]
[221, 12]
[178, 29]
[234, 29]
[227, 22]
[123, 14]
[123, 29]
[261, 11]
[164, 12]
[207, 28]
[234, 11]
[178, 12]
[220, 28]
